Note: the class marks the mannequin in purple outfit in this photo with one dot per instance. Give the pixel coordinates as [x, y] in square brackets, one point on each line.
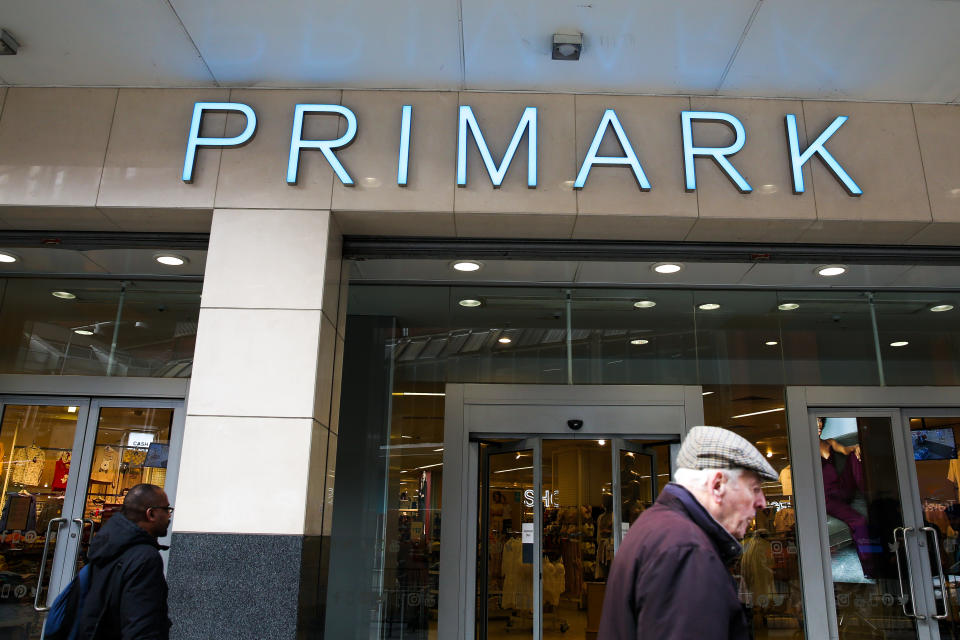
[840, 488]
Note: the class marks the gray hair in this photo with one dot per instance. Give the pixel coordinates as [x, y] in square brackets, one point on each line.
[697, 479]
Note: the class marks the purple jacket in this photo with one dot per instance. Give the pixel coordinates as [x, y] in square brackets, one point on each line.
[669, 579]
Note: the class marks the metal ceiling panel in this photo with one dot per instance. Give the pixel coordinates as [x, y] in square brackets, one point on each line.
[49, 260]
[856, 49]
[103, 43]
[142, 262]
[329, 44]
[629, 46]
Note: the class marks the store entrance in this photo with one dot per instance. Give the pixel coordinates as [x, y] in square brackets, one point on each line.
[552, 514]
[65, 466]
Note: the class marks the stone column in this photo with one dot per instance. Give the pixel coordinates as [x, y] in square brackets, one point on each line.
[246, 558]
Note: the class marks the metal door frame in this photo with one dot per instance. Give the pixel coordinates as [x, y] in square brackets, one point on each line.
[894, 402]
[476, 410]
[90, 394]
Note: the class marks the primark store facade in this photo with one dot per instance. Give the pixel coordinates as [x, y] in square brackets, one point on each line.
[409, 364]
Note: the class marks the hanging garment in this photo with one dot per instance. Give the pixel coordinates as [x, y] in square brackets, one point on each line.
[786, 480]
[517, 577]
[61, 472]
[553, 582]
[105, 464]
[785, 520]
[28, 465]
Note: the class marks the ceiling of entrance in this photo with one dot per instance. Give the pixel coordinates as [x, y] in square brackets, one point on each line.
[856, 49]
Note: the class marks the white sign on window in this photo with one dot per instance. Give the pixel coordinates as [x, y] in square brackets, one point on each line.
[526, 533]
[139, 440]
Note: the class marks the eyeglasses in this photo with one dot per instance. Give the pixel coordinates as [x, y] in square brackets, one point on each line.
[168, 509]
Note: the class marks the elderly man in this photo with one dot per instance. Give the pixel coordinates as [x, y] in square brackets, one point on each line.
[670, 578]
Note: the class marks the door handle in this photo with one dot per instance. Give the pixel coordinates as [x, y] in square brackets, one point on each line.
[80, 521]
[943, 580]
[896, 554]
[43, 563]
[913, 597]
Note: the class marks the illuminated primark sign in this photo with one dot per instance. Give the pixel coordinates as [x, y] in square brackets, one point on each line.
[527, 126]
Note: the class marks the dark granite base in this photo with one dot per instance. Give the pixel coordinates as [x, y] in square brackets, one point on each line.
[244, 586]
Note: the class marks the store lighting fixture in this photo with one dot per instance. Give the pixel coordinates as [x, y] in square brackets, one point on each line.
[639, 341]
[771, 343]
[440, 449]
[899, 343]
[504, 340]
[514, 469]
[708, 393]
[757, 413]
[788, 306]
[169, 259]
[72, 409]
[466, 265]
[602, 443]
[63, 295]
[644, 304]
[470, 303]
[7, 257]
[709, 306]
[831, 270]
[83, 332]
[769, 453]
[938, 308]
[430, 466]
[667, 267]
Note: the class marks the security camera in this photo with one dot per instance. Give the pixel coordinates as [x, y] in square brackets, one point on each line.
[575, 424]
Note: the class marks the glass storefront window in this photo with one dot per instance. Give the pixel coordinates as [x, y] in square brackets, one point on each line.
[98, 327]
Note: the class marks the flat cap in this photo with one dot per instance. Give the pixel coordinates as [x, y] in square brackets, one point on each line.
[716, 448]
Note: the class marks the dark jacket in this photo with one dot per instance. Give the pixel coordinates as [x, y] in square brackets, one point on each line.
[128, 591]
[669, 579]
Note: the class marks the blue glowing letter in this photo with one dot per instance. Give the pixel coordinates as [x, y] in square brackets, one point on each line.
[403, 163]
[797, 159]
[325, 146]
[528, 121]
[719, 154]
[195, 140]
[629, 157]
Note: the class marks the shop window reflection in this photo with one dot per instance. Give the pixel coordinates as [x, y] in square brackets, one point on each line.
[768, 573]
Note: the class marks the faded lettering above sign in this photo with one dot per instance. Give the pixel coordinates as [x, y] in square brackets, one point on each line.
[526, 127]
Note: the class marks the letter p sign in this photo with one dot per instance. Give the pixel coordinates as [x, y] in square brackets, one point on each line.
[195, 140]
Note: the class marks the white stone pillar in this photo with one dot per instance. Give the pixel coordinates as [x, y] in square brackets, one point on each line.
[250, 517]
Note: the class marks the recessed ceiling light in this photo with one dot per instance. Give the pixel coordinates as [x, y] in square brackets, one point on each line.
[639, 341]
[899, 343]
[667, 267]
[771, 343]
[83, 332]
[788, 306]
[170, 259]
[769, 454]
[469, 302]
[63, 295]
[709, 306]
[601, 442]
[504, 340]
[466, 265]
[644, 304]
[7, 257]
[937, 308]
[830, 270]
[72, 409]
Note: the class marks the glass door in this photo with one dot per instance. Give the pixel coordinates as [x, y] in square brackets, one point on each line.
[878, 561]
[37, 441]
[65, 465]
[509, 567]
[549, 511]
[932, 449]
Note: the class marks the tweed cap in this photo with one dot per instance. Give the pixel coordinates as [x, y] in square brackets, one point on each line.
[716, 448]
